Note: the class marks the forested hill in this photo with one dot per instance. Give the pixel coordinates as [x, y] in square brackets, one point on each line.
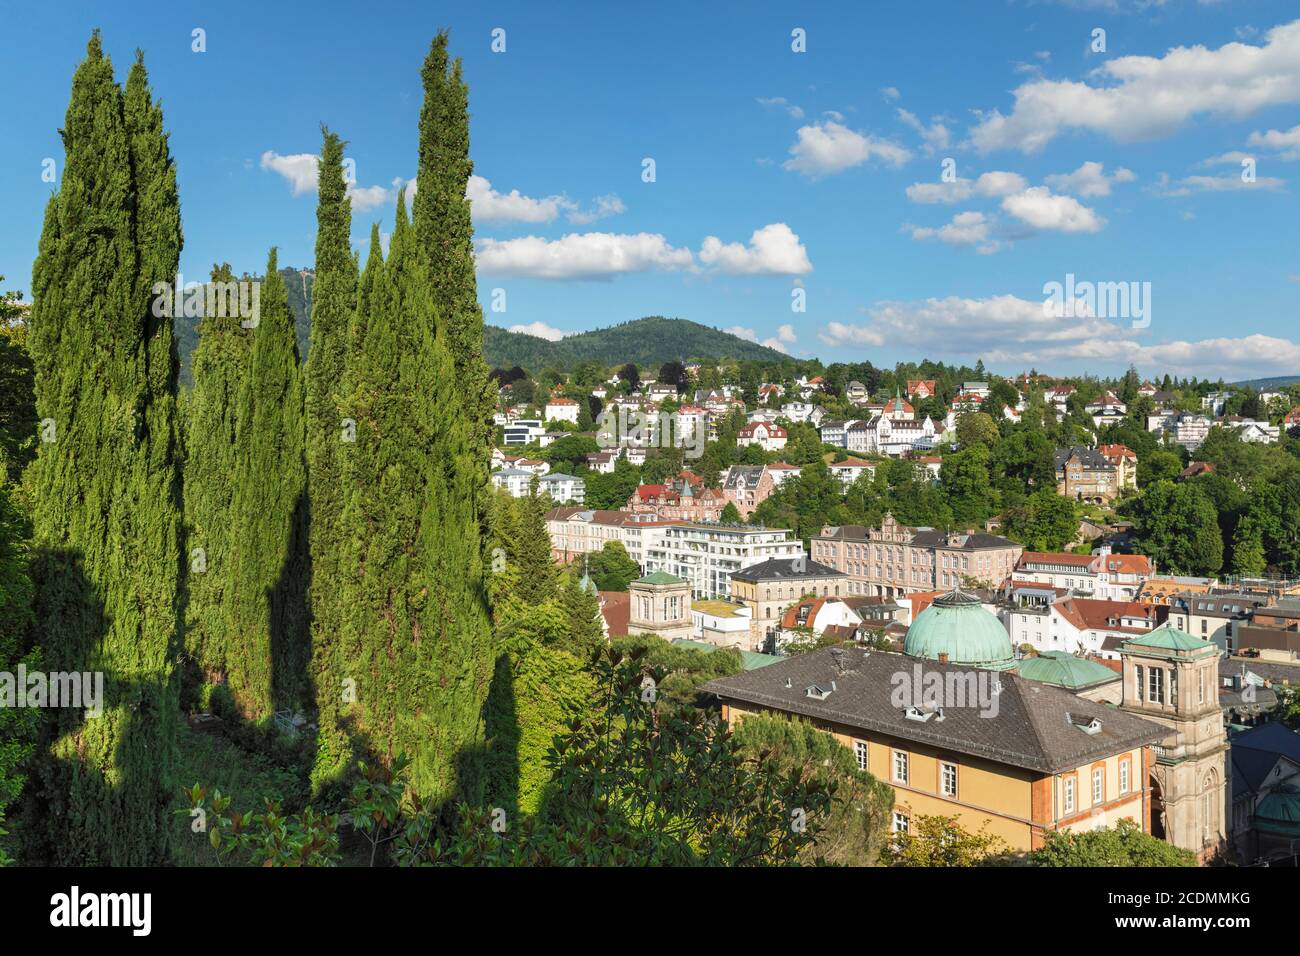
[647, 342]
[297, 283]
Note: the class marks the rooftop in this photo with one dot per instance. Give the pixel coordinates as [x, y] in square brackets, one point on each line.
[1035, 727]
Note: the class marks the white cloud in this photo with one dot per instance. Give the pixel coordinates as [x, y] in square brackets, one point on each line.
[1288, 141]
[1038, 207]
[1231, 182]
[541, 330]
[590, 255]
[992, 184]
[998, 183]
[489, 205]
[965, 229]
[934, 137]
[1090, 179]
[302, 172]
[772, 250]
[1230, 158]
[780, 102]
[889, 92]
[1145, 97]
[601, 207]
[300, 169]
[830, 147]
[1019, 331]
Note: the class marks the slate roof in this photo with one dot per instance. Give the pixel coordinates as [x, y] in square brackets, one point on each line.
[1256, 751]
[743, 476]
[780, 569]
[1036, 726]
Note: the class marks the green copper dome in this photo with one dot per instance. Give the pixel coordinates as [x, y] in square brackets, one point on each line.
[1065, 670]
[1279, 811]
[956, 625]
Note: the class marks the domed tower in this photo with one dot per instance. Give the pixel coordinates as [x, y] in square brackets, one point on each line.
[956, 628]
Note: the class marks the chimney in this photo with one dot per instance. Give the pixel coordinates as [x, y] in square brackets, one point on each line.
[943, 658]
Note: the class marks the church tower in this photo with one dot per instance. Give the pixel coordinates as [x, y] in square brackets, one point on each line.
[1171, 678]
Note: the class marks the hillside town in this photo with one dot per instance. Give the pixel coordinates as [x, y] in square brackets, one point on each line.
[830, 524]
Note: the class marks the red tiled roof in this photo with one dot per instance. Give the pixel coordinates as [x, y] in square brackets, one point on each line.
[616, 608]
[1111, 452]
[1056, 557]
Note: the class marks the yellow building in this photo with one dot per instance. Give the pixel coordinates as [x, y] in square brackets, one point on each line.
[1016, 757]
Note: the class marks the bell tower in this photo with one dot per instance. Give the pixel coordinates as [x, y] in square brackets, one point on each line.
[1172, 678]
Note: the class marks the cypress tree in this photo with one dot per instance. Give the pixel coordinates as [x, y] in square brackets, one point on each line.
[415, 628]
[333, 304]
[106, 483]
[461, 525]
[211, 408]
[445, 231]
[268, 630]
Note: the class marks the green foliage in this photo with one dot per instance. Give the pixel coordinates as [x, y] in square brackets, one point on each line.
[106, 512]
[612, 568]
[646, 342]
[18, 725]
[414, 633]
[325, 380]
[1121, 845]
[1178, 527]
[267, 629]
[1045, 521]
[730, 515]
[685, 669]
[941, 841]
[211, 419]
[857, 824]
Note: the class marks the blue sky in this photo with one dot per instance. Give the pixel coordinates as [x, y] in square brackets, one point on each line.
[775, 170]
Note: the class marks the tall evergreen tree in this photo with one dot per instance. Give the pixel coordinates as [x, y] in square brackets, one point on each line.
[415, 635]
[268, 630]
[445, 232]
[211, 408]
[106, 481]
[333, 305]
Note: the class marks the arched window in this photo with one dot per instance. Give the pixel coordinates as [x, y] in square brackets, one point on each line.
[1210, 808]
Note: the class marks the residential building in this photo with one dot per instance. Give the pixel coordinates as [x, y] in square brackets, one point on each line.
[802, 412]
[771, 586]
[1215, 616]
[856, 392]
[1264, 765]
[1085, 474]
[769, 437]
[1125, 461]
[577, 531]
[1102, 574]
[561, 410]
[1075, 625]
[707, 555]
[1106, 410]
[603, 462]
[851, 469]
[919, 388]
[678, 500]
[523, 431]
[1249, 430]
[894, 559]
[1215, 402]
[517, 482]
[562, 488]
[833, 432]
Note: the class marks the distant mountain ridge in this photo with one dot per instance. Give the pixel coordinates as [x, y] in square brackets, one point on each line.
[648, 341]
[1277, 381]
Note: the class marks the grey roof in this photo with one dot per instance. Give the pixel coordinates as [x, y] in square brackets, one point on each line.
[743, 476]
[1088, 457]
[1256, 751]
[1036, 726]
[779, 569]
[559, 476]
[928, 538]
